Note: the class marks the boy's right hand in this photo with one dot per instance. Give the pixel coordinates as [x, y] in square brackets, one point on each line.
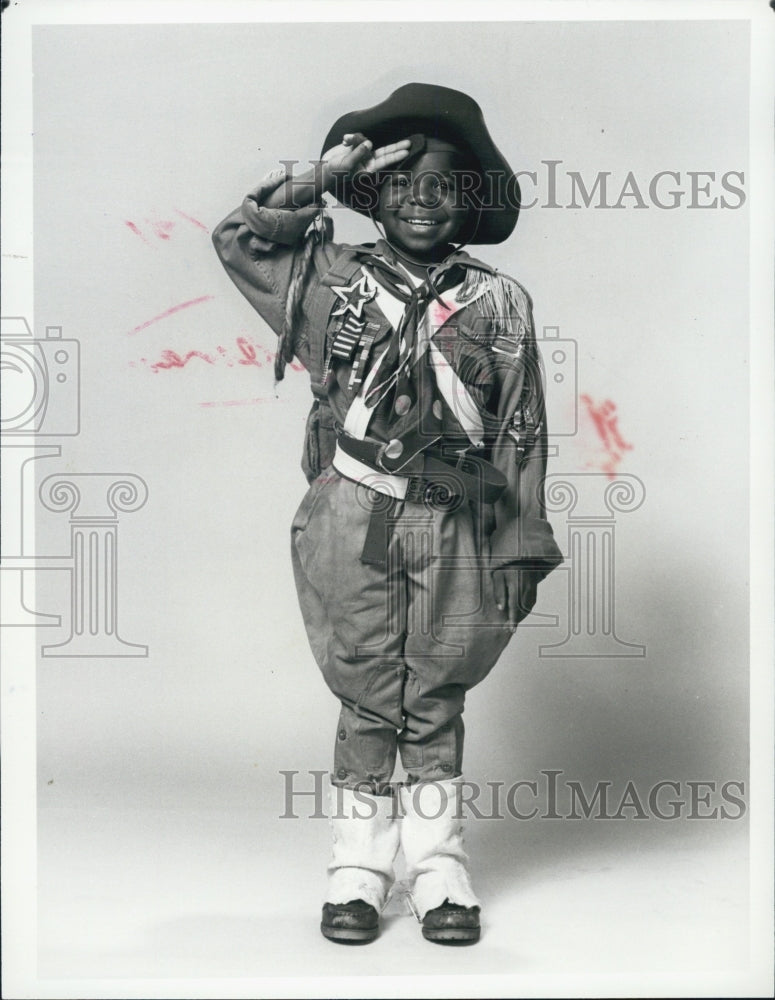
[355, 154]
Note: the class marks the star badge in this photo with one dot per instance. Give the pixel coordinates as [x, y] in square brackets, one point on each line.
[354, 297]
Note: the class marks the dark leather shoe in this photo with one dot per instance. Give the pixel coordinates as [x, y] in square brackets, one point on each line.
[451, 923]
[356, 922]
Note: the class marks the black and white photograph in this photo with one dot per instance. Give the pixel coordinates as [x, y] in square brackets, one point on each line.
[387, 491]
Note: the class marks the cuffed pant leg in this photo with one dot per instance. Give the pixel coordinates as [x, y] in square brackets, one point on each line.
[455, 635]
[364, 753]
[431, 742]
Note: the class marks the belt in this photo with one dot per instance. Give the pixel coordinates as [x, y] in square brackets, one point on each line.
[397, 487]
[468, 476]
[439, 483]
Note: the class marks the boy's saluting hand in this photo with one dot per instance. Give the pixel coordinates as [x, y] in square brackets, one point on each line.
[355, 154]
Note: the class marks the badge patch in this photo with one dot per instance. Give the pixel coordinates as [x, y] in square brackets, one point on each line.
[354, 297]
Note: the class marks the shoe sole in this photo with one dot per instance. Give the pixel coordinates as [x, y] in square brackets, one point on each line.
[349, 935]
[452, 935]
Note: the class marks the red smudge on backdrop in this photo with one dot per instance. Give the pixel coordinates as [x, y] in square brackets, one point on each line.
[162, 228]
[135, 230]
[171, 359]
[171, 311]
[606, 423]
[190, 218]
[250, 352]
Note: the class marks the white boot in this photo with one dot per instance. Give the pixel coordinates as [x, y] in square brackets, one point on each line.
[366, 838]
[432, 839]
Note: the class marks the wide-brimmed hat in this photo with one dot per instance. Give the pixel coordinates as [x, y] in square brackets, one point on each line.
[446, 114]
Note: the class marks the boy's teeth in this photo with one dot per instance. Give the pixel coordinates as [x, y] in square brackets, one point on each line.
[422, 222]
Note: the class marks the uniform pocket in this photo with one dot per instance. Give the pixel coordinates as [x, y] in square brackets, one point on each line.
[306, 508]
[310, 459]
[319, 440]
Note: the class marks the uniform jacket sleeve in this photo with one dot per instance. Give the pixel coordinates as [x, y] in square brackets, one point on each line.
[521, 534]
[257, 246]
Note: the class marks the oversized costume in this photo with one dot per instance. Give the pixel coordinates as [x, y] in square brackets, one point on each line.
[425, 452]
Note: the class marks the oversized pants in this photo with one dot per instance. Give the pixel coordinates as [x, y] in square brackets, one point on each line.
[400, 644]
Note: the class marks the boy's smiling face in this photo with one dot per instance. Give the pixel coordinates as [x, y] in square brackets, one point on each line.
[420, 207]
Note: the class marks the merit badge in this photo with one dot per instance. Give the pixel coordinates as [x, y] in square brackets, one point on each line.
[347, 337]
[354, 297]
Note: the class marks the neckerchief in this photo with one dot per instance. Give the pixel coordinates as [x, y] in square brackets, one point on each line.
[415, 299]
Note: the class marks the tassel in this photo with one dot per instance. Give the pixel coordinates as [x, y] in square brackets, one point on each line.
[286, 342]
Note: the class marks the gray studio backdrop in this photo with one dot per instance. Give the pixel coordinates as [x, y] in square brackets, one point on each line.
[145, 137]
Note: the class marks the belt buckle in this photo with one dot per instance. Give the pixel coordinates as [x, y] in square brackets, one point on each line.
[416, 487]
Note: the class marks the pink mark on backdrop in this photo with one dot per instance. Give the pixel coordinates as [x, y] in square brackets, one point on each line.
[248, 350]
[172, 311]
[191, 219]
[606, 424]
[162, 228]
[249, 353]
[171, 359]
[135, 230]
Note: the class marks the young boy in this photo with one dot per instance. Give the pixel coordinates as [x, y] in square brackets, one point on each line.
[420, 543]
